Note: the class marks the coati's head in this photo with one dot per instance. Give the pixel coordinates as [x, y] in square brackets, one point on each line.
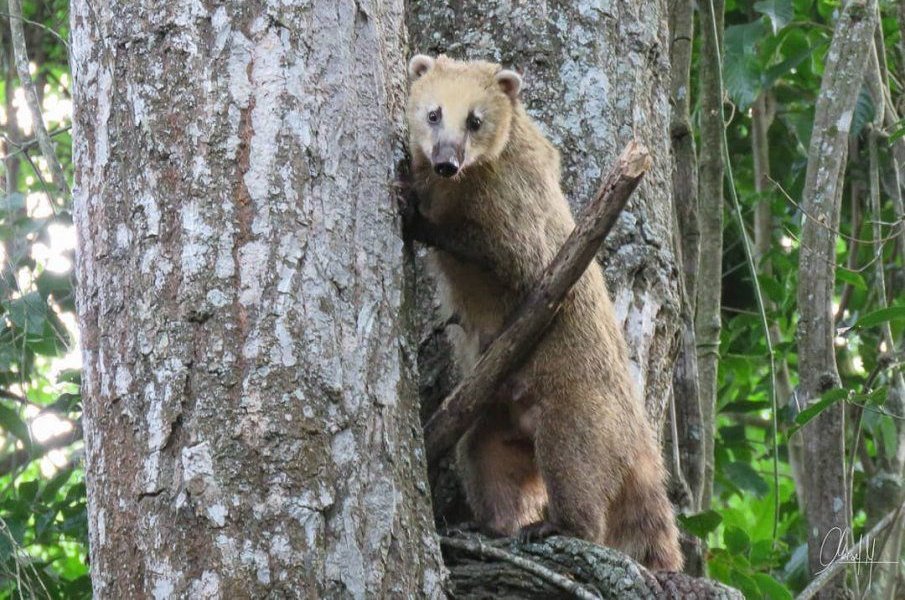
[459, 113]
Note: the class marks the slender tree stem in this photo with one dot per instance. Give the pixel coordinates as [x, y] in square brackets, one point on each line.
[752, 267]
[824, 436]
[31, 97]
[710, 212]
[686, 419]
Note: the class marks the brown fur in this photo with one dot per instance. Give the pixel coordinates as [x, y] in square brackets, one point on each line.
[568, 436]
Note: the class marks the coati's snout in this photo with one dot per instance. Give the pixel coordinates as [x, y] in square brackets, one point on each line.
[447, 158]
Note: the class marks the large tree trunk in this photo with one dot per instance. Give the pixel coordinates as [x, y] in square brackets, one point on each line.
[250, 419]
[595, 79]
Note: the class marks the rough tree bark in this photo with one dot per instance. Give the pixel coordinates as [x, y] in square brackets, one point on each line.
[824, 436]
[710, 214]
[565, 568]
[250, 415]
[595, 78]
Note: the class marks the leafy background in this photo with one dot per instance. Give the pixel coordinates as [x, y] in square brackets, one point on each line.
[773, 49]
[43, 526]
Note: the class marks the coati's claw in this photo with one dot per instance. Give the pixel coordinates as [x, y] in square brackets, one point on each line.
[407, 205]
[537, 532]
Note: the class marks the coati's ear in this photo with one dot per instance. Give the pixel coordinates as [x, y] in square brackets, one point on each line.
[510, 82]
[419, 65]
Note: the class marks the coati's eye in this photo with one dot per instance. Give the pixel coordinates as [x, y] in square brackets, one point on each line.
[433, 116]
[473, 122]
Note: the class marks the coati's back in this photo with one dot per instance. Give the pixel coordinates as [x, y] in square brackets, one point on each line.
[481, 165]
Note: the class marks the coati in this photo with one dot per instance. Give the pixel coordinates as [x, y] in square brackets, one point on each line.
[566, 446]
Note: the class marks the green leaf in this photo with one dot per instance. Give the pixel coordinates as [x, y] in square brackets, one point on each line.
[743, 39]
[851, 278]
[898, 132]
[770, 589]
[28, 312]
[70, 376]
[12, 423]
[875, 398]
[800, 122]
[826, 400]
[736, 540]
[28, 490]
[893, 313]
[733, 434]
[12, 538]
[746, 406]
[762, 555]
[774, 290]
[779, 70]
[66, 403]
[888, 433]
[49, 492]
[59, 284]
[779, 12]
[701, 524]
[53, 340]
[741, 67]
[746, 584]
[744, 477]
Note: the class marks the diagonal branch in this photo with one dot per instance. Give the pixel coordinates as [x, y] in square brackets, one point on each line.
[514, 344]
[31, 96]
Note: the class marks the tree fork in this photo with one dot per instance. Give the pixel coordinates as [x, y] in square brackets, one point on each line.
[458, 411]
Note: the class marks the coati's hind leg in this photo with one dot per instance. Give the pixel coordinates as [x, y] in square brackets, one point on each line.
[501, 479]
[642, 520]
[578, 473]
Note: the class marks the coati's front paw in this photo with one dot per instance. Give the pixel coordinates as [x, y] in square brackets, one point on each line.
[537, 532]
[407, 206]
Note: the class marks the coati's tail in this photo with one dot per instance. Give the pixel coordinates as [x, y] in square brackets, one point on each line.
[641, 522]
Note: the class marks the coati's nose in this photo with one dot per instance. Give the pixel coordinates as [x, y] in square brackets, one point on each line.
[448, 168]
